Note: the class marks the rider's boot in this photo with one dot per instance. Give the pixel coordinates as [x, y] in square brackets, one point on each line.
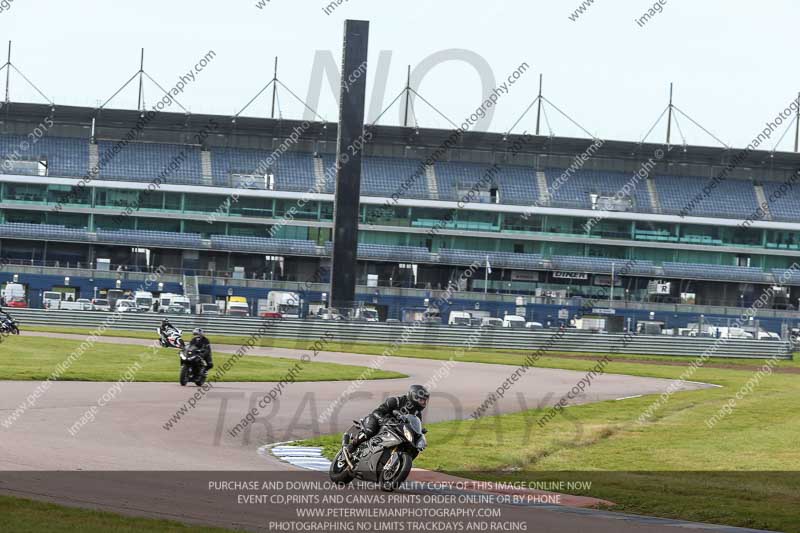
[355, 442]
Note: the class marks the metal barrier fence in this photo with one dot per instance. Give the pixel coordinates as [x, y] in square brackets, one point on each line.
[427, 334]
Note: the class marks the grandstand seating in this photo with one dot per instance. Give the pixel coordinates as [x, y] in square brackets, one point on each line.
[788, 277]
[65, 156]
[575, 191]
[391, 253]
[782, 205]
[385, 252]
[150, 238]
[716, 272]
[455, 256]
[730, 198]
[384, 176]
[263, 245]
[293, 171]
[516, 185]
[44, 232]
[138, 161]
[603, 265]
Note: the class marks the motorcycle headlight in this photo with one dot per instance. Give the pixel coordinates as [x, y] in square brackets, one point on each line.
[408, 434]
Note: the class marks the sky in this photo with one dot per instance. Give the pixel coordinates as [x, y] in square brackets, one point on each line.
[731, 61]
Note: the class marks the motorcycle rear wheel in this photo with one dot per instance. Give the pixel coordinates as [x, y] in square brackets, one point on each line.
[184, 375]
[389, 481]
[338, 471]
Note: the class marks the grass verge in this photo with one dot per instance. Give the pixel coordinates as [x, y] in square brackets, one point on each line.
[745, 471]
[35, 358]
[28, 516]
[568, 361]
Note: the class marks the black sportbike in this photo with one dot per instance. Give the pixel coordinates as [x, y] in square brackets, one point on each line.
[193, 367]
[385, 458]
[8, 326]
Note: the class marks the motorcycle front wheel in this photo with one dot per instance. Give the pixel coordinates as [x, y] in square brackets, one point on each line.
[338, 471]
[391, 479]
[184, 375]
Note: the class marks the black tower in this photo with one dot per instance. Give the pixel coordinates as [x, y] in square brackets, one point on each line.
[349, 146]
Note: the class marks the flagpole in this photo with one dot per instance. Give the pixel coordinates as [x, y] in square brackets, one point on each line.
[611, 302]
[486, 277]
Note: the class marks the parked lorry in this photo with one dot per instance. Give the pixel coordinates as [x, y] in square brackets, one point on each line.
[366, 314]
[143, 300]
[280, 304]
[425, 315]
[112, 295]
[14, 295]
[237, 306]
[174, 303]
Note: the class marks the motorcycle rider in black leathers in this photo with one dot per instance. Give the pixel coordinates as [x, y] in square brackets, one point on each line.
[164, 330]
[413, 403]
[5, 319]
[202, 345]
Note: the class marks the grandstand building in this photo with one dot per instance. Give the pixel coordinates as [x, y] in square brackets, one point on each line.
[240, 206]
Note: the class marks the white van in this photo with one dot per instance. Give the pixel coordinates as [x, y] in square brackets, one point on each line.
[513, 321]
[126, 306]
[14, 293]
[178, 302]
[209, 309]
[768, 336]
[489, 322]
[143, 300]
[51, 299]
[460, 318]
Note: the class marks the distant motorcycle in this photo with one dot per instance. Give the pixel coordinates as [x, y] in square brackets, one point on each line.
[386, 458]
[8, 326]
[193, 367]
[172, 339]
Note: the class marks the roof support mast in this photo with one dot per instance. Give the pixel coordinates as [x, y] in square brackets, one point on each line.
[274, 87]
[408, 95]
[8, 72]
[797, 127]
[669, 116]
[140, 104]
[539, 108]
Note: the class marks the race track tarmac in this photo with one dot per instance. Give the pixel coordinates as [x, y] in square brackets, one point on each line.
[128, 433]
